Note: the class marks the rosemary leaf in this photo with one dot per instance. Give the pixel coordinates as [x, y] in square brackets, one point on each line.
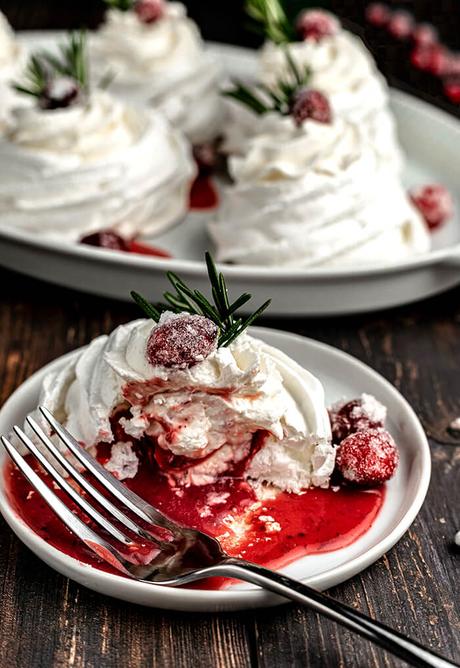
[271, 15]
[148, 308]
[221, 312]
[238, 303]
[122, 5]
[243, 94]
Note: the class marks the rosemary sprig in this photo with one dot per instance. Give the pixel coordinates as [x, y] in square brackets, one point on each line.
[262, 99]
[122, 5]
[271, 16]
[71, 61]
[44, 67]
[35, 78]
[220, 311]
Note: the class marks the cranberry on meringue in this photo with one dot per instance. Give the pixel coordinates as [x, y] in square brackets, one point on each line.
[313, 194]
[207, 413]
[78, 161]
[341, 68]
[157, 58]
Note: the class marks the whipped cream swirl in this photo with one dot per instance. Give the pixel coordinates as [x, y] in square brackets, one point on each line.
[164, 64]
[344, 70]
[98, 164]
[211, 409]
[312, 195]
[12, 59]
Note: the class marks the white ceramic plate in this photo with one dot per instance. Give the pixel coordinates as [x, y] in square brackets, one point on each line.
[342, 376]
[431, 140]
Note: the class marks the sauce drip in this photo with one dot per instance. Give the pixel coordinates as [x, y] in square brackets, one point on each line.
[271, 532]
[203, 193]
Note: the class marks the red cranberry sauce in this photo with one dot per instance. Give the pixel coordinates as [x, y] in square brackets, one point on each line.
[110, 240]
[203, 193]
[276, 531]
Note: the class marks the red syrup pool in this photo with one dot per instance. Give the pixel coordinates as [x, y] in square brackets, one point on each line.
[203, 193]
[273, 532]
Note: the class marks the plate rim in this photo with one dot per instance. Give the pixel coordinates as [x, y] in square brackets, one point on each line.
[261, 274]
[242, 598]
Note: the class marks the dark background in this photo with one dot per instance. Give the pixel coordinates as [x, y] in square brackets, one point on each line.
[224, 21]
[47, 621]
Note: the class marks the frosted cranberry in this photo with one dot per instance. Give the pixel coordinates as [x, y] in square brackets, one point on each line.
[368, 457]
[401, 25]
[59, 94]
[316, 24]
[432, 58]
[181, 340]
[311, 104]
[452, 89]
[435, 204]
[356, 415]
[424, 34]
[105, 239]
[378, 14]
[149, 11]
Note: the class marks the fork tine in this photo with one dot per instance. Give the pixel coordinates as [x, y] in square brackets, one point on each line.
[130, 499]
[68, 489]
[97, 544]
[88, 487]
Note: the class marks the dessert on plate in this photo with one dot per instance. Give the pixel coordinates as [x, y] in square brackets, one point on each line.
[220, 431]
[78, 160]
[309, 189]
[156, 56]
[340, 67]
[11, 61]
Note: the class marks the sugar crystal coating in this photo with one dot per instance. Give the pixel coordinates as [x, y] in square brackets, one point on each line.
[313, 105]
[181, 340]
[367, 457]
[316, 24]
[356, 415]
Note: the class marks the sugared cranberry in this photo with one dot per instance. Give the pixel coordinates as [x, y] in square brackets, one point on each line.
[401, 25]
[106, 239]
[206, 157]
[378, 14]
[316, 24]
[181, 340]
[146, 249]
[432, 58]
[368, 457]
[356, 415]
[59, 94]
[435, 204]
[311, 104]
[452, 89]
[424, 34]
[149, 11]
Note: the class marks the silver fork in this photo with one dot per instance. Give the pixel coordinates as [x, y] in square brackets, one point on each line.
[182, 555]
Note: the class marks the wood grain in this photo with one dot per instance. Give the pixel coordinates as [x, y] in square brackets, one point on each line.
[46, 620]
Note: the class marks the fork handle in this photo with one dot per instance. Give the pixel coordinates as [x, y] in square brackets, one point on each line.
[392, 641]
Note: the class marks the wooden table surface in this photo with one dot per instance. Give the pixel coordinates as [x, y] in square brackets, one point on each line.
[46, 620]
